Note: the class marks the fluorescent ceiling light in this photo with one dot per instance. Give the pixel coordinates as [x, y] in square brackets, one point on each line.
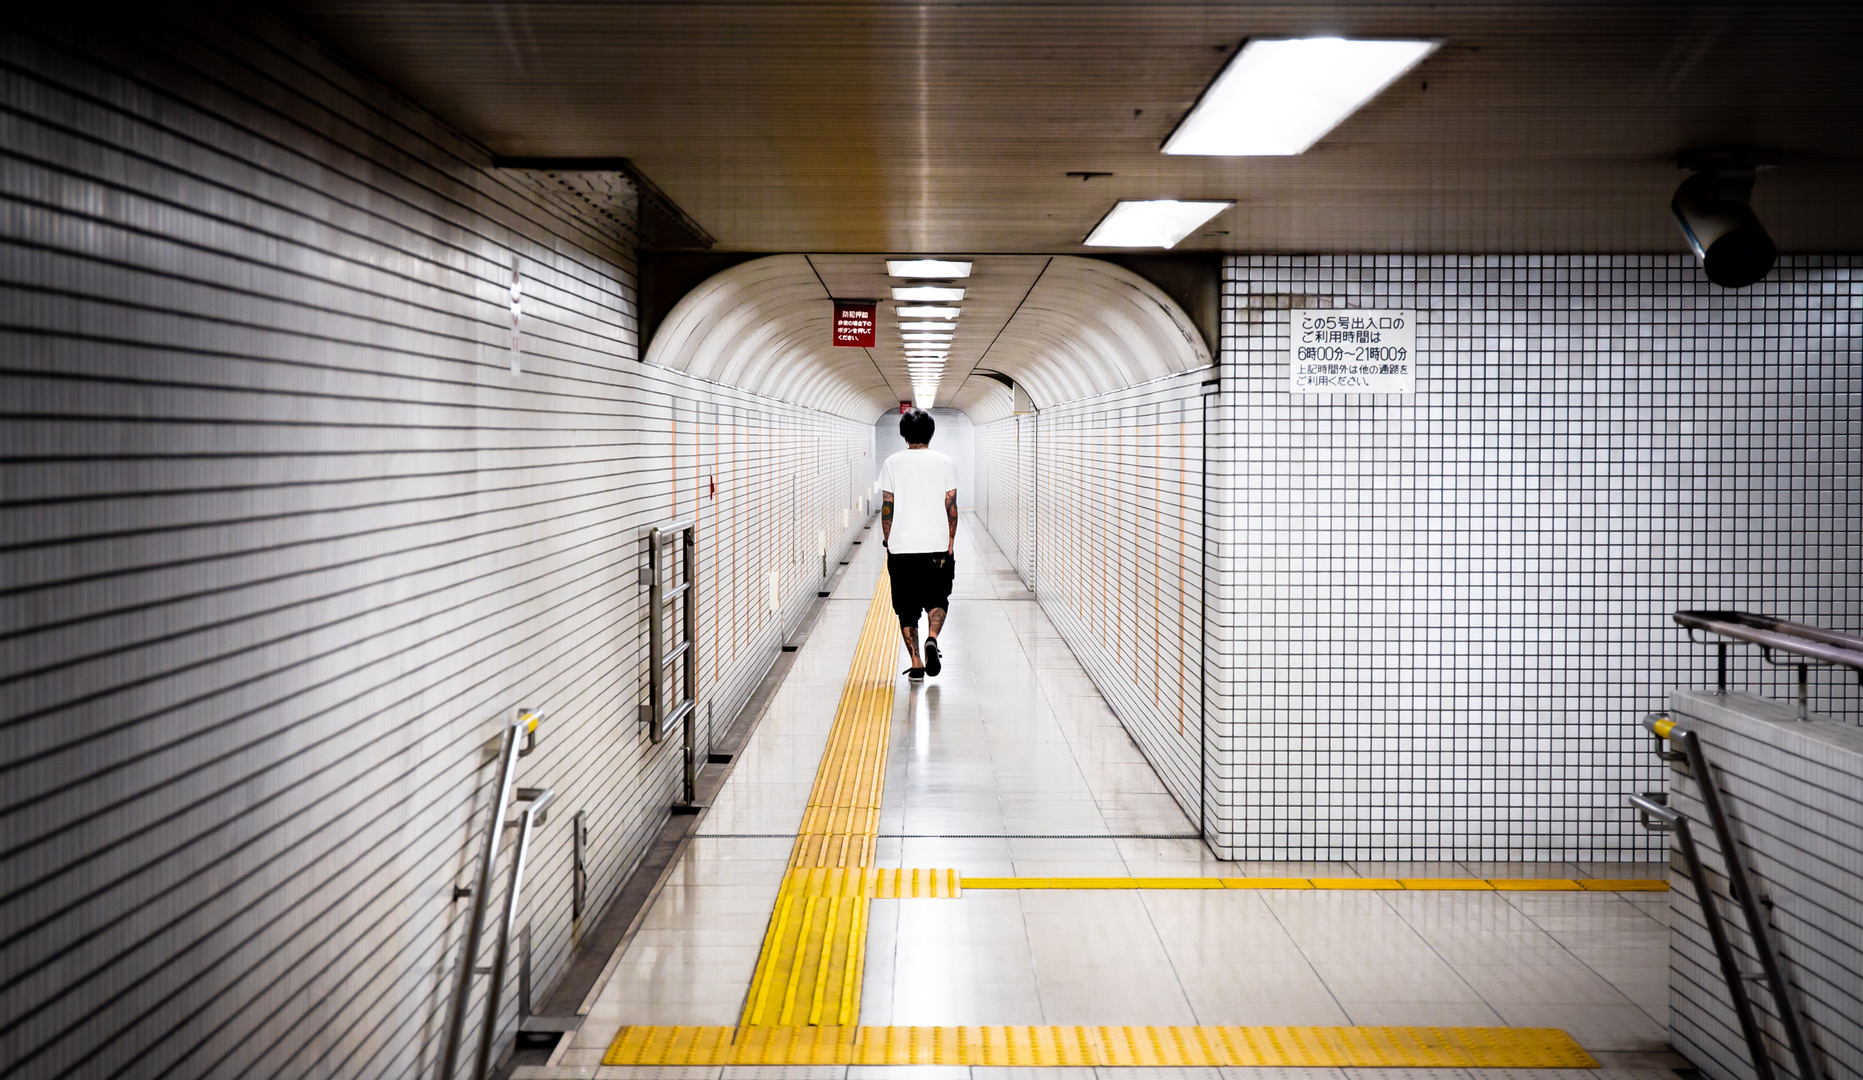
[925, 337]
[1279, 96]
[1158, 223]
[927, 268]
[928, 325]
[927, 292]
[927, 312]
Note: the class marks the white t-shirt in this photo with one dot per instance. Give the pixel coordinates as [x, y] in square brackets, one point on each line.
[918, 480]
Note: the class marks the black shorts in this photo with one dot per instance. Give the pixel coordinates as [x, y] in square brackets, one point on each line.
[921, 582]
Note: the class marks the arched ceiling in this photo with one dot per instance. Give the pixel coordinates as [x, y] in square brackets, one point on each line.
[1062, 327]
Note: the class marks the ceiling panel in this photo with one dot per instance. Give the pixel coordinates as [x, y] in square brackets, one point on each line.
[939, 127]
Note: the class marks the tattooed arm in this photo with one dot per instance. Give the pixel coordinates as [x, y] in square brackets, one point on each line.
[950, 515]
[886, 517]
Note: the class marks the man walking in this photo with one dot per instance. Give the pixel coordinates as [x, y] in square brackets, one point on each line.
[920, 538]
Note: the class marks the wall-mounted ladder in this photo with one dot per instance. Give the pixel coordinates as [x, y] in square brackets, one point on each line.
[671, 698]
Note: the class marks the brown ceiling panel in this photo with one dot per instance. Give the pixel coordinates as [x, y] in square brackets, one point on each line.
[950, 126]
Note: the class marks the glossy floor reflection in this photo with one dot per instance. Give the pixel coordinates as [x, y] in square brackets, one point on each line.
[1010, 764]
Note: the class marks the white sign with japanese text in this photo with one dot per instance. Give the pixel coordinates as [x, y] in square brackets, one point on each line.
[1352, 351]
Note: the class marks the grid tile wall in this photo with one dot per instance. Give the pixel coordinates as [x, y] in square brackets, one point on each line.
[285, 538]
[1115, 504]
[1444, 612]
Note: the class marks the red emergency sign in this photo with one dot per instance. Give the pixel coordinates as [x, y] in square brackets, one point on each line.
[854, 324]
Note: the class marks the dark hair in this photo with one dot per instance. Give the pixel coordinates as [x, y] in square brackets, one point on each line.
[916, 426]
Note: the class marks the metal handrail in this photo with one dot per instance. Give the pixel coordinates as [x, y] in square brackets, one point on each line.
[1814, 643]
[1759, 929]
[1830, 646]
[518, 740]
[1659, 818]
[538, 800]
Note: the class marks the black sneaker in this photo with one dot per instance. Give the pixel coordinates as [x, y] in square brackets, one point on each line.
[933, 665]
[916, 674]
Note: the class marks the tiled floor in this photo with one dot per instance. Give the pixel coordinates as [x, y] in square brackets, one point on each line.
[1010, 764]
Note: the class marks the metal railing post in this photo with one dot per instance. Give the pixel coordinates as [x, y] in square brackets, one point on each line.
[690, 669]
[1759, 928]
[511, 747]
[538, 801]
[1667, 820]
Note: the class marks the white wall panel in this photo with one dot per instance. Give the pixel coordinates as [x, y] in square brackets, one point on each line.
[285, 540]
[1100, 505]
[1005, 468]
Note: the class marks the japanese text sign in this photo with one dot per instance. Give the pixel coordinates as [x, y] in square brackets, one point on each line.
[1352, 351]
[854, 322]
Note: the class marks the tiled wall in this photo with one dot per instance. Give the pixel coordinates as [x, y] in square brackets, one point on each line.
[1005, 467]
[1794, 793]
[285, 538]
[1442, 613]
[1100, 503]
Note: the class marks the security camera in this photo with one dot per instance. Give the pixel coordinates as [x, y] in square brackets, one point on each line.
[1712, 209]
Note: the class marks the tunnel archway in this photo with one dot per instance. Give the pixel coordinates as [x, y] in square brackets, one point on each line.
[1080, 388]
[1063, 328]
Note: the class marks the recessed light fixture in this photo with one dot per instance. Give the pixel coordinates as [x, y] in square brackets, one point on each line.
[1278, 96]
[921, 336]
[927, 312]
[927, 292]
[927, 268]
[926, 325]
[1158, 223]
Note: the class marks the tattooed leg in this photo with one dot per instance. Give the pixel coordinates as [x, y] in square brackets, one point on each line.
[911, 634]
[934, 622]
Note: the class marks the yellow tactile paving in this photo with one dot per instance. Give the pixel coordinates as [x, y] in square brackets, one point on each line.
[1014, 1045]
[804, 998]
[911, 883]
[814, 951]
[1389, 884]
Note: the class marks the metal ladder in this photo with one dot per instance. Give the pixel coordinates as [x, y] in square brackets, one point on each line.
[665, 705]
[1656, 816]
[518, 740]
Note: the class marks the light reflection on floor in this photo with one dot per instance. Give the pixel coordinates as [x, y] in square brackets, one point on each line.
[1009, 764]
